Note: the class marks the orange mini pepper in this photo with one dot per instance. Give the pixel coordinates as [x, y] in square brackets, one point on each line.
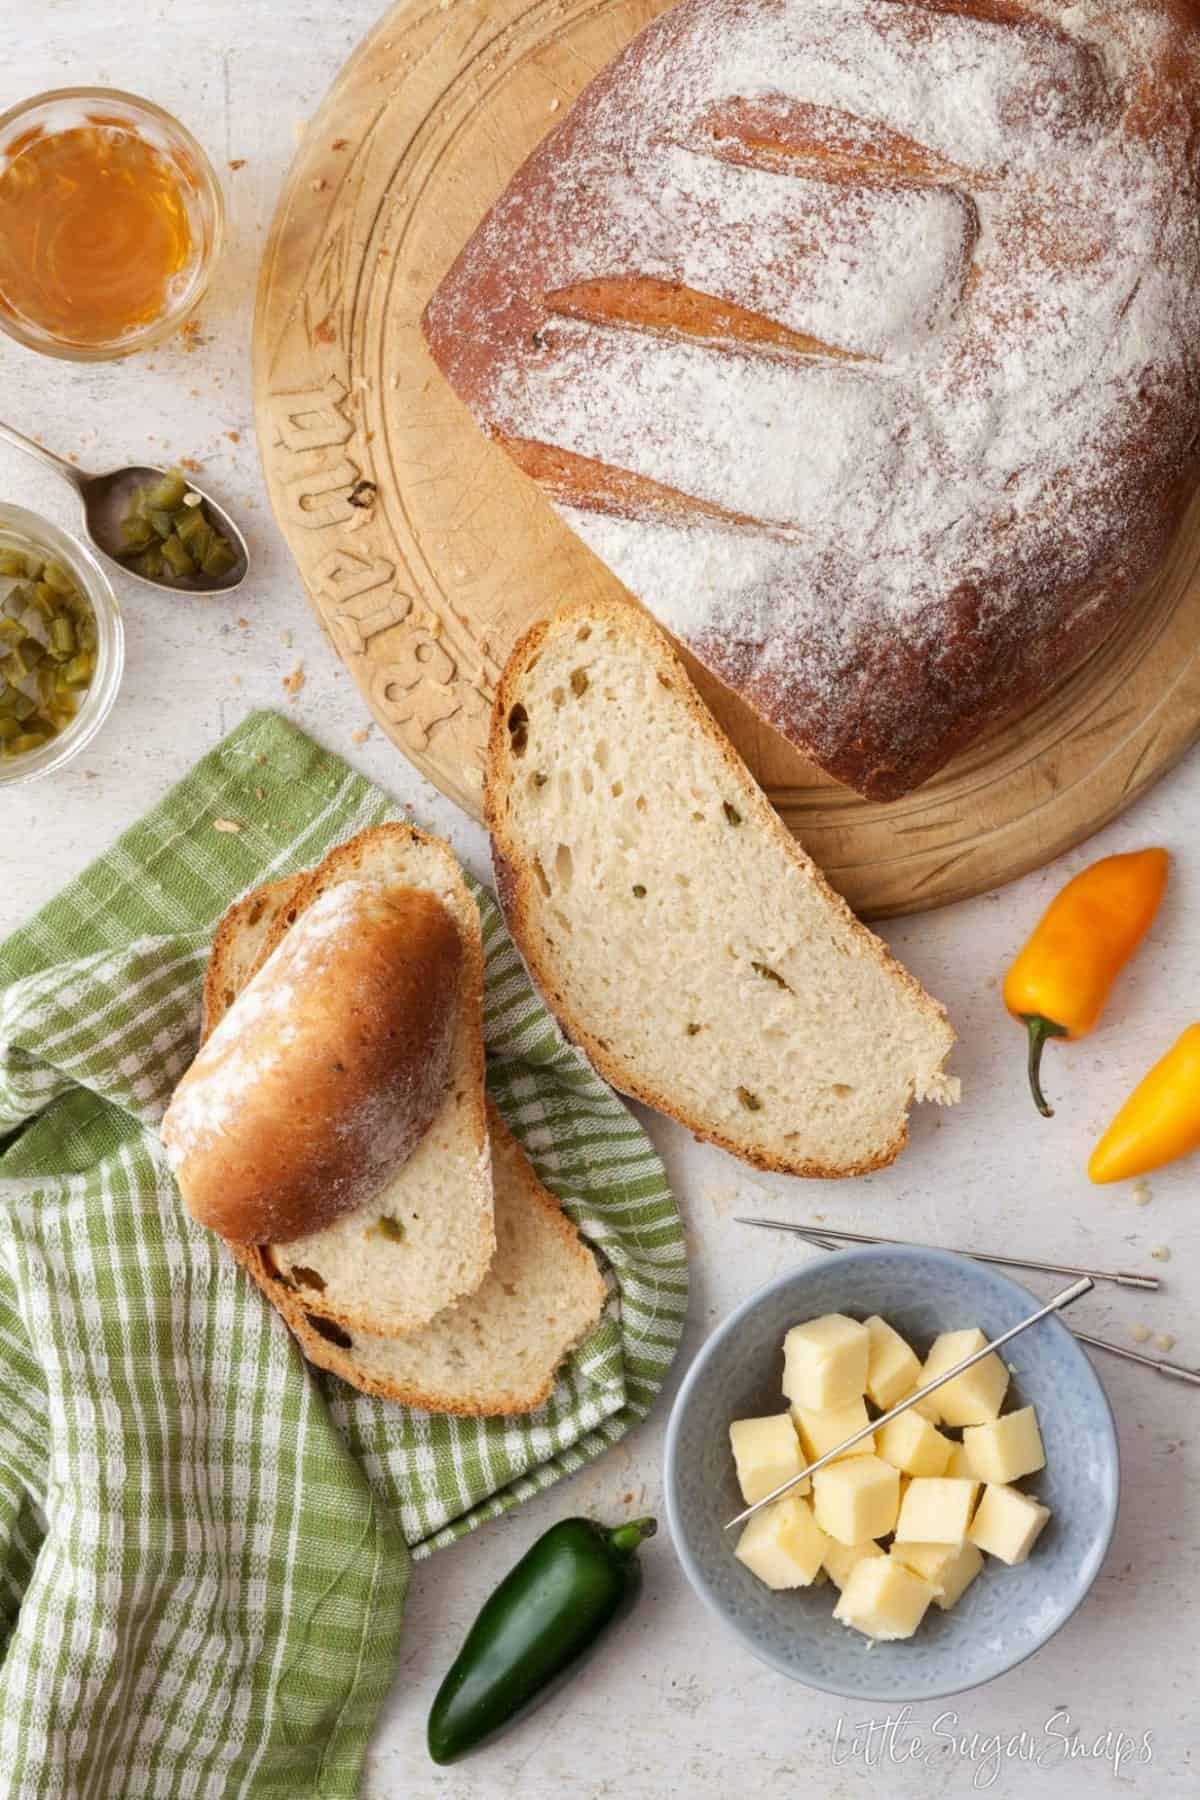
[1159, 1122]
[1061, 980]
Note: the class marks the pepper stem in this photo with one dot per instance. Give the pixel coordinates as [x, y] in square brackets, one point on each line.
[1039, 1030]
[626, 1538]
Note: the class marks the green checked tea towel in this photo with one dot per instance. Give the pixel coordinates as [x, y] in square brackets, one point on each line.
[204, 1545]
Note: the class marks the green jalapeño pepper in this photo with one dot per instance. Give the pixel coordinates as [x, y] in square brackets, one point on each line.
[546, 1616]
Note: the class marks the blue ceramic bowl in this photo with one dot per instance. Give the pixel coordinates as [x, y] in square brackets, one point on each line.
[1006, 1614]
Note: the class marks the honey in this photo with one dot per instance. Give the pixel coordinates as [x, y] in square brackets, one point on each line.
[96, 236]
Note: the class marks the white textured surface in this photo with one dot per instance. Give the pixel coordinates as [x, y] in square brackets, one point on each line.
[673, 1707]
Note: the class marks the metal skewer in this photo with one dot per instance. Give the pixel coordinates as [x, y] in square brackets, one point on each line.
[1083, 1286]
[1121, 1277]
[1175, 1370]
[812, 1234]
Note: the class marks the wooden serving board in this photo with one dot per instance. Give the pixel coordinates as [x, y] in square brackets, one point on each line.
[426, 553]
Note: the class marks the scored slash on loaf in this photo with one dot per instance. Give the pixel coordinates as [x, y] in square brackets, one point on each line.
[861, 340]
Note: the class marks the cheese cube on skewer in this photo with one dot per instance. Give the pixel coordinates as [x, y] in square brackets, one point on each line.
[822, 1431]
[973, 1397]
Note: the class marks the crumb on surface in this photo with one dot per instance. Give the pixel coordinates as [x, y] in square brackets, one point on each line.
[360, 737]
[189, 335]
[237, 162]
[339, 143]
[295, 681]
[243, 624]
[235, 437]
[226, 825]
[1140, 1334]
[1160, 1253]
[1141, 1192]
[191, 464]
[1165, 1340]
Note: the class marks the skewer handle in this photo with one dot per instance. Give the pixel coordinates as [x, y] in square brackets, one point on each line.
[1175, 1370]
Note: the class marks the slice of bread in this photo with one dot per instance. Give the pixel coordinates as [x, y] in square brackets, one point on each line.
[427, 1236]
[497, 1350]
[680, 933]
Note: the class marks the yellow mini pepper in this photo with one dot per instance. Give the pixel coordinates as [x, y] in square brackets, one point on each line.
[1060, 981]
[1160, 1120]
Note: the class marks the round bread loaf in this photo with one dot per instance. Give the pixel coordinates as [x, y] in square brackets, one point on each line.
[861, 340]
[320, 1082]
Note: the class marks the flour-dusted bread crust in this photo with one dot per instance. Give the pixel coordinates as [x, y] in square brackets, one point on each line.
[861, 339]
[320, 1082]
[495, 1351]
[426, 1236]
[679, 932]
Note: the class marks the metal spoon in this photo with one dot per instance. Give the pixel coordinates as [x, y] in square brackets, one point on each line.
[106, 500]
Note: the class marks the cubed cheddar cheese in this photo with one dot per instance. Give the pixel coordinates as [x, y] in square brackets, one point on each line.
[1006, 1448]
[841, 1558]
[906, 1480]
[975, 1396]
[1008, 1523]
[925, 1409]
[948, 1568]
[766, 1453]
[823, 1431]
[883, 1599]
[914, 1446]
[783, 1545]
[936, 1511]
[825, 1363]
[892, 1365]
[960, 1465]
[856, 1498]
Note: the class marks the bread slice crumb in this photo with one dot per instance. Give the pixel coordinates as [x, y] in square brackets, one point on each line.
[681, 934]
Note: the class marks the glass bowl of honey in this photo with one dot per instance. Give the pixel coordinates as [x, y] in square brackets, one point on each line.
[62, 646]
[111, 219]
